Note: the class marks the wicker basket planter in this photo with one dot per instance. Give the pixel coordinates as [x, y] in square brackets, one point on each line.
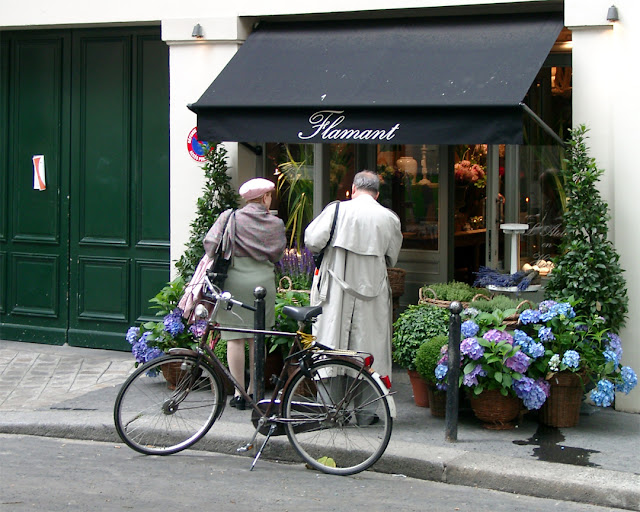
[562, 407]
[495, 410]
[396, 280]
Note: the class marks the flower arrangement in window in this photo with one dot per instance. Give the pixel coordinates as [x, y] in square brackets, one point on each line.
[549, 339]
[469, 171]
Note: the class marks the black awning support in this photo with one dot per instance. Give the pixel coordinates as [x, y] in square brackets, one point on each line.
[542, 124]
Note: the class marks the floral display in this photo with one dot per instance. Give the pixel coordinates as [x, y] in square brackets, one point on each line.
[467, 172]
[298, 265]
[548, 339]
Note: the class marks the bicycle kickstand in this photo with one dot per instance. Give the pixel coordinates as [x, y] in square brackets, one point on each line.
[272, 429]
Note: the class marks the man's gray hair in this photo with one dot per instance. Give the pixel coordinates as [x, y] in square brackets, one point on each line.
[367, 180]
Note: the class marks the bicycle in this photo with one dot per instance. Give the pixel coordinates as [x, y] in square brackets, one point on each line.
[335, 410]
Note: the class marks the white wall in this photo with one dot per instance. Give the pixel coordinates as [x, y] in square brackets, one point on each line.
[605, 100]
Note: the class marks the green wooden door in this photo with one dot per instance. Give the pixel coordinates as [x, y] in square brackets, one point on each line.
[35, 228]
[105, 213]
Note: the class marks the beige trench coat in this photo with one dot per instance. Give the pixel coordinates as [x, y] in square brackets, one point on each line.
[352, 284]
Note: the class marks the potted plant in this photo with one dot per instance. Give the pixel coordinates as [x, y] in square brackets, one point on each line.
[574, 350]
[588, 266]
[414, 326]
[427, 358]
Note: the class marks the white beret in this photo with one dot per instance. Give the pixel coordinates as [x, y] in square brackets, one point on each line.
[257, 187]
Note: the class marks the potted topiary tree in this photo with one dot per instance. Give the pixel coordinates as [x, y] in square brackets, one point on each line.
[427, 357]
[588, 266]
[416, 325]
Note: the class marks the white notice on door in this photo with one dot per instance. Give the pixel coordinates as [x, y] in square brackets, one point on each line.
[39, 180]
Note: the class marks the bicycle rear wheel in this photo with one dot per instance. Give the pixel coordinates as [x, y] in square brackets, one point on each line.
[168, 404]
[344, 422]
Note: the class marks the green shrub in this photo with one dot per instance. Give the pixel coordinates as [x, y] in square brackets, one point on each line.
[428, 356]
[417, 324]
[588, 266]
[452, 290]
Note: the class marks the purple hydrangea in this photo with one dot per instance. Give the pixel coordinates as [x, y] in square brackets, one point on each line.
[471, 378]
[545, 386]
[198, 328]
[470, 347]
[545, 334]
[530, 316]
[519, 362]
[615, 344]
[629, 380]
[532, 393]
[132, 335]
[497, 336]
[173, 323]
[571, 359]
[469, 329]
[603, 395]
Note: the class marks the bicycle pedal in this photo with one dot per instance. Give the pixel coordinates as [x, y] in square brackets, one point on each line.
[245, 448]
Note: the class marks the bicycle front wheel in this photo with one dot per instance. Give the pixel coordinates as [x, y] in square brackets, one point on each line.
[338, 418]
[168, 404]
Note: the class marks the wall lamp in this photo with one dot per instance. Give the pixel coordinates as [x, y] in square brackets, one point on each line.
[198, 32]
[612, 13]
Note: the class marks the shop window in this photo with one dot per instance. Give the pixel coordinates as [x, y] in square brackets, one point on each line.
[290, 166]
[409, 185]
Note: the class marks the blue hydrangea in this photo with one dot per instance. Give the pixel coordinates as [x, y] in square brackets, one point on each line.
[522, 338]
[441, 371]
[519, 362]
[571, 359]
[470, 347]
[530, 316]
[471, 378]
[152, 353]
[173, 323]
[629, 380]
[545, 334]
[610, 355]
[603, 395]
[469, 328]
[132, 335]
[535, 350]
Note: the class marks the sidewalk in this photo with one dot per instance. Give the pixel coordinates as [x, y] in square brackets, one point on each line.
[69, 392]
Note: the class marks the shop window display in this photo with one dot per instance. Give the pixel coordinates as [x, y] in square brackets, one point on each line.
[409, 177]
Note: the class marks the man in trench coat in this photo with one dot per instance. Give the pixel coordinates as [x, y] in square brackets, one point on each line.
[351, 284]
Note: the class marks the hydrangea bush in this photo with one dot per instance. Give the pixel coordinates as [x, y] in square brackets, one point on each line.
[154, 339]
[549, 339]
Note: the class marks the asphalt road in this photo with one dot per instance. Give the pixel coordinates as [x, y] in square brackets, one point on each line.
[49, 474]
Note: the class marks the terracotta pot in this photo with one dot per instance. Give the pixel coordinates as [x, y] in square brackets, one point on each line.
[562, 407]
[437, 401]
[495, 410]
[419, 386]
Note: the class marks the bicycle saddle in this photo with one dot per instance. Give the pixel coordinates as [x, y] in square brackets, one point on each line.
[302, 313]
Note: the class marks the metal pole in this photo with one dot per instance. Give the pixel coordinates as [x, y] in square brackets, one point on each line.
[453, 373]
[258, 345]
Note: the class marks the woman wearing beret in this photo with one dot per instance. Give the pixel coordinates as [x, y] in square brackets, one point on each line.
[255, 240]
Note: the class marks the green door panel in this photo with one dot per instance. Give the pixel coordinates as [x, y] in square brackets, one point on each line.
[35, 248]
[4, 119]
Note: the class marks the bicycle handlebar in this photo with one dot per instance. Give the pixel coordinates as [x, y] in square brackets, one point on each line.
[225, 296]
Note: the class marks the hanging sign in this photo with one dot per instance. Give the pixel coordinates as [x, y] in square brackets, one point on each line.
[196, 148]
[39, 180]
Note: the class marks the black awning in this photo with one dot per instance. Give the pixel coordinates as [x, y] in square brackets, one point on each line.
[440, 80]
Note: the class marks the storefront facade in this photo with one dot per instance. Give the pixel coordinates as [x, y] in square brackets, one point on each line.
[449, 227]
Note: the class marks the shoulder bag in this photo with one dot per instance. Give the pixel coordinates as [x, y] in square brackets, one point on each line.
[217, 273]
